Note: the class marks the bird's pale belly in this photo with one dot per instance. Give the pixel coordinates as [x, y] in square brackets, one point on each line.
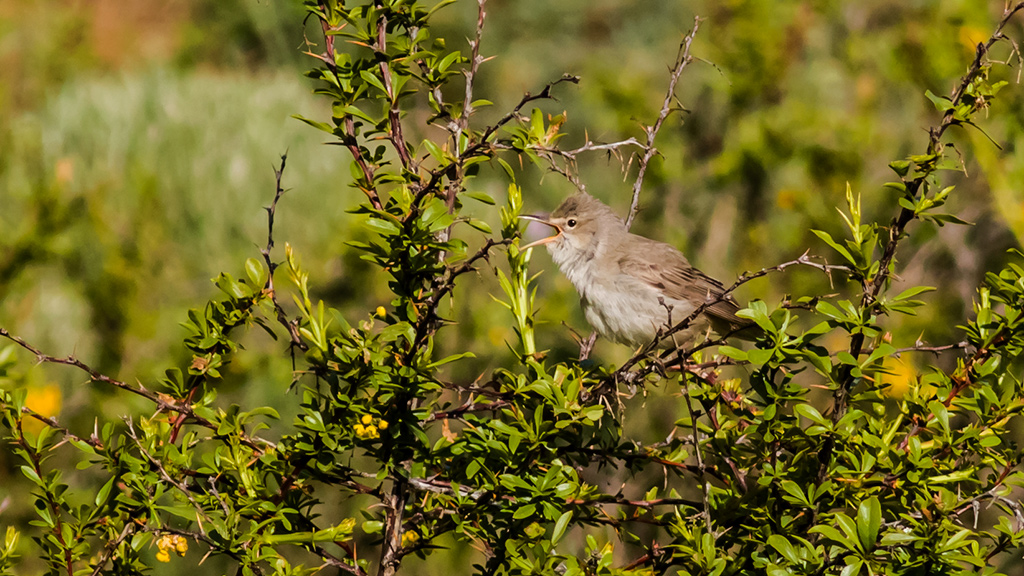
[631, 316]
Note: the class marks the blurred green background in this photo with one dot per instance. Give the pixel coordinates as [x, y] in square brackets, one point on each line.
[138, 140]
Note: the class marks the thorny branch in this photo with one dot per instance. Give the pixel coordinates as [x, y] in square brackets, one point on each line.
[67, 434]
[474, 66]
[445, 284]
[256, 443]
[484, 146]
[395, 134]
[570, 170]
[683, 58]
[291, 326]
[329, 58]
[907, 215]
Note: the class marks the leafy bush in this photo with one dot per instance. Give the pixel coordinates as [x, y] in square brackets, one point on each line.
[793, 456]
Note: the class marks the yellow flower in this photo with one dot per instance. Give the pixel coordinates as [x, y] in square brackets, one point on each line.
[163, 556]
[359, 430]
[381, 312]
[44, 400]
[371, 432]
[409, 538]
[898, 377]
[383, 425]
[180, 545]
[366, 419]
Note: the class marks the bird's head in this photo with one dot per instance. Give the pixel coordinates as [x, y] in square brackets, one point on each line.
[580, 222]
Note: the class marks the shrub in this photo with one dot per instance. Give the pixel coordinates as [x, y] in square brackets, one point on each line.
[793, 456]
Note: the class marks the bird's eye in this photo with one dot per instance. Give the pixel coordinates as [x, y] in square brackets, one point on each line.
[571, 223]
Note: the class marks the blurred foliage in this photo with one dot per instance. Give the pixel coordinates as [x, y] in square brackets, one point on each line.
[139, 145]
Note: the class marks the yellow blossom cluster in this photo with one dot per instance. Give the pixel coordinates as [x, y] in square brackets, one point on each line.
[367, 430]
[409, 538]
[169, 542]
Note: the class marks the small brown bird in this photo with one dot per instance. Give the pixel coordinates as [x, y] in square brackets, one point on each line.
[628, 283]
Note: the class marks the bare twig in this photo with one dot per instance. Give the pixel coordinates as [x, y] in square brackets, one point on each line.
[395, 134]
[394, 501]
[683, 58]
[474, 67]
[467, 408]
[291, 326]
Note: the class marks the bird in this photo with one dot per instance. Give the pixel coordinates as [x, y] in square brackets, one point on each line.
[632, 288]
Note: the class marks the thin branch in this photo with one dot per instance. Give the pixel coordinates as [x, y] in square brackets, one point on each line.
[683, 58]
[395, 134]
[391, 547]
[484, 146]
[67, 434]
[544, 94]
[467, 408]
[291, 326]
[569, 168]
[47, 496]
[255, 443]
[200, 513]
[111, 547]
[353, 147]
[445, 284]
[329, 59]
[474, 67]
[621, 501]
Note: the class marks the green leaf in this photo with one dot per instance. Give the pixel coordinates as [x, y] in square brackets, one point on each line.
[372, 80]
[913, 291]
[869, 519]
[525, 511]
[318, 125]
[900, 167]
[811, 413]
[254, 270]
[560, 525]
[394, 331]
[942, 104]
[31, 475]
[835, 246]
[104, 492]
[734, 353]
[435, 151]
[783, 547]
[479, 197]
[897, 538]
[480, 225]
[450, 359]
[382, 227]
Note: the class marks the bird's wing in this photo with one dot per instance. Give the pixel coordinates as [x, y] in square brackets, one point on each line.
[666, 269]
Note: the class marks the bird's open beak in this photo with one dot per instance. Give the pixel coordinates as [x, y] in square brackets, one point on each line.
[542, 240]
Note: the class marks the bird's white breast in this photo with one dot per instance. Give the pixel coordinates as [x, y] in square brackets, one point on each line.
[617, 305]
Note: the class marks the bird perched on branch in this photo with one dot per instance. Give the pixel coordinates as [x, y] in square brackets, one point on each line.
[632, 287]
